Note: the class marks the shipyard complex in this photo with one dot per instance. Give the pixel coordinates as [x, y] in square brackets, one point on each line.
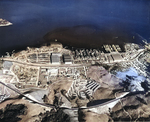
[79, 71]
[38, 67]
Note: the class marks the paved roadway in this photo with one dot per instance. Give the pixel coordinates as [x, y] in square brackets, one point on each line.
[44, 65]
[53, 106]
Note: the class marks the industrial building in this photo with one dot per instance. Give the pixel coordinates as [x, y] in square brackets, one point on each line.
[55, 58]
[67, 59]
[117, 57]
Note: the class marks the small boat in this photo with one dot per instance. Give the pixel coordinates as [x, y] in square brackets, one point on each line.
[4, 22]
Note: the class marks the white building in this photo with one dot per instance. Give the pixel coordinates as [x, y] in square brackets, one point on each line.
[52, 72]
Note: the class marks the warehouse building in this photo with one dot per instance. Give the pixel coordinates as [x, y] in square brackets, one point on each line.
[67, 59]
[117, 57]
[110, 58]
[55, 58]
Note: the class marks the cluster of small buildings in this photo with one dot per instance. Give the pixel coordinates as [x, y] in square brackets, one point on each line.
[27, 75]
[82, 88]
[57, 55]
[86, 54]
[113, 54]
[48, 64]
[111, 48]
[97, 56]
[53, 74]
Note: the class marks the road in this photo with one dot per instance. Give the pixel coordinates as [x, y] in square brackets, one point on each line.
[53, 106]
[63, 65]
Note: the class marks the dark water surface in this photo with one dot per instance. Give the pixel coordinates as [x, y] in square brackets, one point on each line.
[99, 20]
